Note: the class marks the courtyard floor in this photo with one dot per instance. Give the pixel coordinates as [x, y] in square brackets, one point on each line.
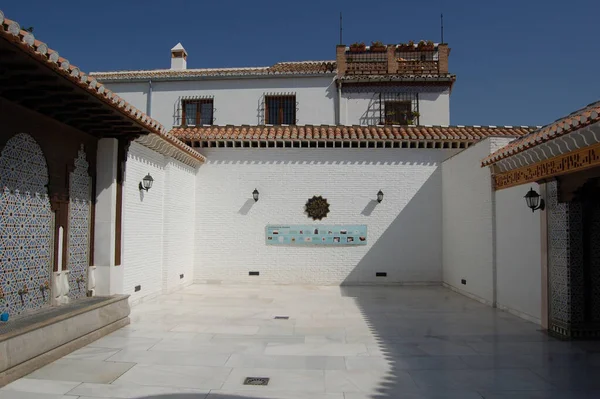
[338, 343]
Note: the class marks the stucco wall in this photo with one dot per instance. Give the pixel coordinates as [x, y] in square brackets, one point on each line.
[468, 223]
[158, 225]
[404, 231]
[518, 249]
[239, 101]
[364, 109]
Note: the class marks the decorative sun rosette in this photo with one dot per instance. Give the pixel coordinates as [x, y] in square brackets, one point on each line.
[317, 207]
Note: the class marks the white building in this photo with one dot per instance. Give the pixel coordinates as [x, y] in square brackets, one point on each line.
[392, 86]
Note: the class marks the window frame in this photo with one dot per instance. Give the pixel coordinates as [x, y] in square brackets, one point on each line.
[199, 102]
[281, 111]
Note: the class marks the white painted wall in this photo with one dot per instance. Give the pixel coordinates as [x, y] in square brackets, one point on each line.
[468, 223]
[518, 249]
[158, 225]
[364, 109]
[238, 101]
[434, 108]
[404, 231]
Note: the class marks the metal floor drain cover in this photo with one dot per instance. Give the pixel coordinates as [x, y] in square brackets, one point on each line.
[256, 381]
[282, 317]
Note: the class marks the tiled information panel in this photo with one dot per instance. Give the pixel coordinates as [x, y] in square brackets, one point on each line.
[300, 234]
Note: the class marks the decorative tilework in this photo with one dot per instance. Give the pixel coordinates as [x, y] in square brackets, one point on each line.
[566, 163]
[26, 222]
[80, 195]
[558, 258]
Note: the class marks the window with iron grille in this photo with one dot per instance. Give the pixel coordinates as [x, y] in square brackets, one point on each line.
[197, 112]
[398, 113]
[280, 110]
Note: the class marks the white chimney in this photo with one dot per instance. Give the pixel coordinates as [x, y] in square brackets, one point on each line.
[178, 57]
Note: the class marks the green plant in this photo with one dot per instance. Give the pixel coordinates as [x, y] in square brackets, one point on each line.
[377, 44]
[430, 44]
[416, 114]
[358, 45]
[409, 121]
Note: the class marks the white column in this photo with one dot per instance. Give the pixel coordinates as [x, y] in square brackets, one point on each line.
[109, 277]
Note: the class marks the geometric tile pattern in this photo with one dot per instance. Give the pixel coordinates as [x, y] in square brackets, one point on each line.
[80, 195]
[26, 226]
[558, 258]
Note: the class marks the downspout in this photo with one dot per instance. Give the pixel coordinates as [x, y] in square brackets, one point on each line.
[149, 99]
[339, 102]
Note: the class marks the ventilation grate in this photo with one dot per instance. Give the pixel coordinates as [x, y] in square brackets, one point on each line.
[381, 274]
[254, 273]
[256, 381]
[282, 317]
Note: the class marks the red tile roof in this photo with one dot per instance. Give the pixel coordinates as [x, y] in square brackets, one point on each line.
[281, 68]
[576, 120]
[346, 133]
[26, 42]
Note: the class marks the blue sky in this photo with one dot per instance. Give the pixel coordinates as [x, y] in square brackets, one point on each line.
[518, 62]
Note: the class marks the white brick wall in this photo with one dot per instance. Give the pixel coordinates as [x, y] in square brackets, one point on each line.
[404, 231]
[158, 233]
[518, 253]
[468, 222]
[179, 224]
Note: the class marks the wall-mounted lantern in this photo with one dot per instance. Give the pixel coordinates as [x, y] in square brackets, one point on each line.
[380, 196]
[146, 183]
[255, 195]
[534, 202]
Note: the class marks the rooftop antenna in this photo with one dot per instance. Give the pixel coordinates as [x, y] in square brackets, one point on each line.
[341, 29]
[442, 26]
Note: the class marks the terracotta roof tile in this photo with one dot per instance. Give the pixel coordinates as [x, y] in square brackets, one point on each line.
[281, 68]
[346, 133]
[576, 120]
[26, 42]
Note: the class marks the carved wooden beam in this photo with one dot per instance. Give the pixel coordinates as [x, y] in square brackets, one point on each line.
[573, 161]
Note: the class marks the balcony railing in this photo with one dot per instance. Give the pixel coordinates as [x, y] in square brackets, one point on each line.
[366, 63]
[415, 62]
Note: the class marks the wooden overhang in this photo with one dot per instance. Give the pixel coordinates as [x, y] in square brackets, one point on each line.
[37, 78]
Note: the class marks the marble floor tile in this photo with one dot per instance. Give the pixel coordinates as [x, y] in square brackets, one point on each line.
[333, 349]
[31, 395]
[92, 353]
[170, 358]
[218, 394]
[280, 380]
[81, 371]
[286, 362]
[132, 391]
[198, 377]
[496, 379]
[131, 343]
[54, 387]
[339, 343]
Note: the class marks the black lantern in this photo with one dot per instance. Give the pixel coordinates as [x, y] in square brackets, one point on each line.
[255, 195]
[146, 183]
[380, 196]
[534, 202]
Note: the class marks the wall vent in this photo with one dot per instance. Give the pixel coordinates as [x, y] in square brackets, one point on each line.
[181, 276]
[381, 274]
[138, 288]
[463, 281]
[254, 273]
[282, 317]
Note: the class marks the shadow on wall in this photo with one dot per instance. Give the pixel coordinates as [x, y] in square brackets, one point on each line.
[372, 116]
[247, 206]
[411, 240]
